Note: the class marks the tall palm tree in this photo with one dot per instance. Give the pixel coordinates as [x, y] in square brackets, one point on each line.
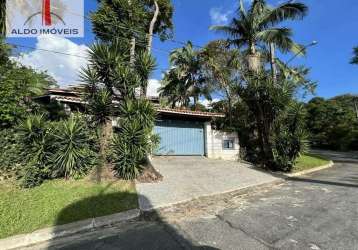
[184, 80]
[257, 27]
[220, 68]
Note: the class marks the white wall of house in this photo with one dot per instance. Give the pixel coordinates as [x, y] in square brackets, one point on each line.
[214, 143]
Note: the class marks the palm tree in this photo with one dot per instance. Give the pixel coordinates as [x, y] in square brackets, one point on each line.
[220, 67]
[257, 27]
[184, 80]
[175, 90]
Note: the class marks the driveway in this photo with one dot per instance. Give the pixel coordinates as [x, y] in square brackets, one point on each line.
[186, 178]
[316, 211]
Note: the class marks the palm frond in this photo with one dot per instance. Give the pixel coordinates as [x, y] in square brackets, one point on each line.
[286, 11]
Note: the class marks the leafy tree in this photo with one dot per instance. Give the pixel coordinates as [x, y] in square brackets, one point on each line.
[134, 22]
[124, 19]
[333, 123]
[160, 13]
[355, 57]
[257, 27]
[120, 19]
[273, 121]
[184, 80]
[18, 85]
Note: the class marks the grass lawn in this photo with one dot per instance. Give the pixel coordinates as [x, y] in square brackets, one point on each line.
[308, 161]
[59, 202]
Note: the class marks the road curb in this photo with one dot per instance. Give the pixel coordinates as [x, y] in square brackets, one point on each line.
[51, 233]
[308, 171]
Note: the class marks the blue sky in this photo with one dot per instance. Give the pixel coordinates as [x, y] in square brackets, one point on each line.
[330, 22]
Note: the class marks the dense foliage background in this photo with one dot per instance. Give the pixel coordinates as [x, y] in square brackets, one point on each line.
[333, 123]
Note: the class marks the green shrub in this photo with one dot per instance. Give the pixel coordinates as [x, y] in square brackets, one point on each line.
[130, 146]
[289, 138]
[56, 149]
[73, 146]
[134, 139]
[11, 158]
[34, 133]
[35, 136]
[33, 176]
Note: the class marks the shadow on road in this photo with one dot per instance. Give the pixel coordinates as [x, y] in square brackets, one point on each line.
[147, 232]
[342, 184]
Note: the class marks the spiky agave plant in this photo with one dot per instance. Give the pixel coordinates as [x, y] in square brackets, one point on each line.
[73, 155]
[134, 139]
[130, 147]
[34, 133]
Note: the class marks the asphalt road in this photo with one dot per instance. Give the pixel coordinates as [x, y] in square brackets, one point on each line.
[317, 211]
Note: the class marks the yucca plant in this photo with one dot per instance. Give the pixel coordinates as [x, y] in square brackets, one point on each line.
[134, 139]
[145, 65]
[140, 110]
[73, 155]
[130, 146]
[290, 138]
[34, 134]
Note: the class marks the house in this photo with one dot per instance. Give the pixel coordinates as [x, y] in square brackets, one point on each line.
[182, 132]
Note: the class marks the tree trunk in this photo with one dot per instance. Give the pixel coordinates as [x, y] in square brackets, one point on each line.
[151, 27]
[228, 96]
[106, 134]
[132, 51]
[273, 63]
[2, 18]
[132, 45]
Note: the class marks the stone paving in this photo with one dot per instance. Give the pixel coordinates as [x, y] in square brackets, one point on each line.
[187, 178]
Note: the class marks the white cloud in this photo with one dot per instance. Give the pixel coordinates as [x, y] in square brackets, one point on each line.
[153, 87]
[63, 68]
[218, 16]
[207, 103]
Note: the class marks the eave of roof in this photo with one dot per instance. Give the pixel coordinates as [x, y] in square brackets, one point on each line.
[77, 99]
[189, 112]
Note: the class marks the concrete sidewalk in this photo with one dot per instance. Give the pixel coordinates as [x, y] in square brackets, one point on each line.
[187, 178]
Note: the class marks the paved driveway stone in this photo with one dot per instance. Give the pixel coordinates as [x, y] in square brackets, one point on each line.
[186, 178]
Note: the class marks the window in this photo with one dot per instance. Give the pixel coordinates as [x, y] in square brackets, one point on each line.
[228, 144]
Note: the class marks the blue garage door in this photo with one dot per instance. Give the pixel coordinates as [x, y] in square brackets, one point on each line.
[180, 137]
